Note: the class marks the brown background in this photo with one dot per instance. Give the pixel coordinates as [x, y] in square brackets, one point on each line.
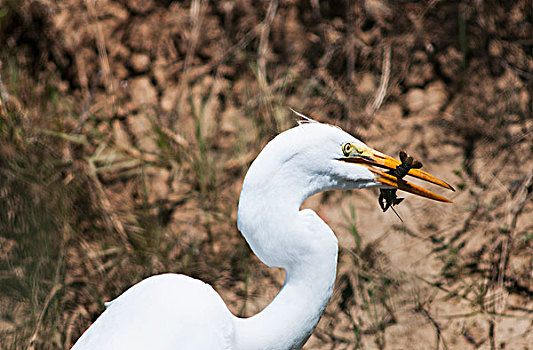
[127, 127]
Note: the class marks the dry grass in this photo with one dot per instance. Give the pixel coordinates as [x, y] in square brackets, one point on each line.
[113, 169]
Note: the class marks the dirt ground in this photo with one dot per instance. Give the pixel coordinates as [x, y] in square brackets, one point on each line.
[127, 127]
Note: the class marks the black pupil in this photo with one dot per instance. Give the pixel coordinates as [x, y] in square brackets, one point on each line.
[347, 148]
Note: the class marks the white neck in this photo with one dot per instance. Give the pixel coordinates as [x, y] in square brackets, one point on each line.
[288, 321]
[300, 242]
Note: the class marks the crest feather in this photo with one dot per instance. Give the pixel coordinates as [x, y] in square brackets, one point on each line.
[304, 120]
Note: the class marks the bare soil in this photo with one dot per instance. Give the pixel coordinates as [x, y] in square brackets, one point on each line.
[127, 127]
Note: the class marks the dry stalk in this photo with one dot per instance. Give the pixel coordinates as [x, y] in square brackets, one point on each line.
[240, 45]
[196, 18]
[86, 110]
[429, 6]
[145, 157]
[102, 50]
[56, 288]
[70, 325]
[514, 209]
[178, 139]
[111, 218]
[261, 61]
[371, 109]
[263, 38]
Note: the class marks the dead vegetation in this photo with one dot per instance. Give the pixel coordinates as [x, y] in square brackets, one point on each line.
[126, 128]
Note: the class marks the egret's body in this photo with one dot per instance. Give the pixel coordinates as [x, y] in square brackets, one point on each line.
[145, 317]
[178, 312]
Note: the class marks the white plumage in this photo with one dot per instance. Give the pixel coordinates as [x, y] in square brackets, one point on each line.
[145, 317]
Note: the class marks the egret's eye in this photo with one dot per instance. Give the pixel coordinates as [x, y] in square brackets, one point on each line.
[351, 148]
[347, 148]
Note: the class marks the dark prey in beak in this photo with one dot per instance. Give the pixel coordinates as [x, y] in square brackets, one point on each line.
[387, 197]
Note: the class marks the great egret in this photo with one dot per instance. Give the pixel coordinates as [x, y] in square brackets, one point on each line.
[172, 311]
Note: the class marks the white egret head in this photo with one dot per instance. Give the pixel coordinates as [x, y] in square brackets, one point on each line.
[299, 162]
[305, 160]
[314, 157]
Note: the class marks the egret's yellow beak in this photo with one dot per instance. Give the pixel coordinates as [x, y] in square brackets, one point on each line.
[370, 158]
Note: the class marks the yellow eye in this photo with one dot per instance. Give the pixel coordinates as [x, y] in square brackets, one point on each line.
[350, 148]
[347, 148]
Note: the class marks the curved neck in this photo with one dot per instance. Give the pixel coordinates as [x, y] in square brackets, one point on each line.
[288, 321]
[300, 242]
